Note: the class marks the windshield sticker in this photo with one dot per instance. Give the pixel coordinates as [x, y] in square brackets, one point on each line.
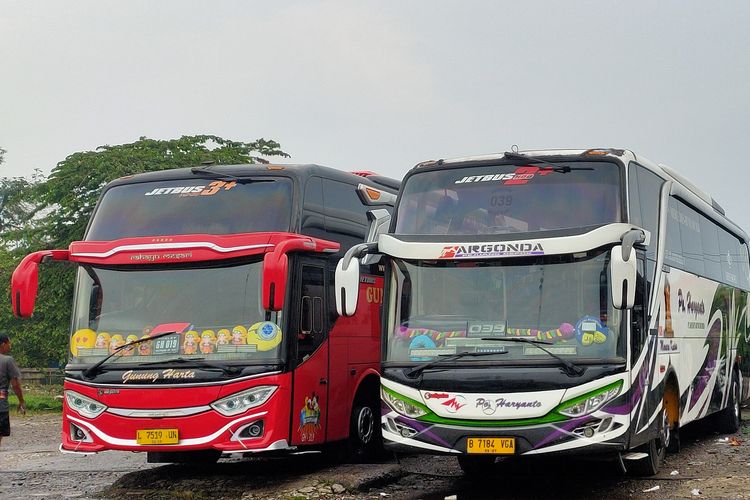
[522, 175]
[208, 342]
[210, 190]
[309, 419]
[591, 331]
[489, 250]
[82, 339]
[421, 342]
[190, 344]
[265, 335]
[564, 332]
[239, 335]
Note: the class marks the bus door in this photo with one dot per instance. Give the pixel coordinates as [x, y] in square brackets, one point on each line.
[311, 377]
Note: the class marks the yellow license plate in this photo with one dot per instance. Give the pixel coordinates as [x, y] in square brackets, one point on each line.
[491, 446]
[156, 436]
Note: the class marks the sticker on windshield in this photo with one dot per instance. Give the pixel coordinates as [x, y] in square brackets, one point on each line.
[265, 334]
[522, 175]
[591, 331]
[489, 250]
[210, 190]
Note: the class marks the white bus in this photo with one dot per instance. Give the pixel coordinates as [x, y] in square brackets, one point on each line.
[550, 302]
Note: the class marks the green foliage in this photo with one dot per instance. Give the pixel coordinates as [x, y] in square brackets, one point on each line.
[38, 213]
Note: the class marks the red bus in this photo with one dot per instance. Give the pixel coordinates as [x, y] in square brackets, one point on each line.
[204, 319]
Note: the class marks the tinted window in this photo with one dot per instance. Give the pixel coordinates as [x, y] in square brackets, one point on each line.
[510, 198]
[731, 264]
[690, 234]
[673, 245]
[744, 266]
[710, 244]
[649, 196]
[345, 214]
[311, 322]
[312, 222]
[193, 206]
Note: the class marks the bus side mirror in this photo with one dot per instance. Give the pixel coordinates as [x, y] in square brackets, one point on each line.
[623, 271]
[347, 287]
[346, 280]
[25, 281]
[275, 267]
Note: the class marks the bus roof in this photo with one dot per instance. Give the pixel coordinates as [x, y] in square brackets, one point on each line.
[298, 171]
[703, 201]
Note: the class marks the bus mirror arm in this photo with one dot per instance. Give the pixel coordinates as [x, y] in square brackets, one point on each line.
[276, 267]
[25, 280]
[347, 277]
[629, 240]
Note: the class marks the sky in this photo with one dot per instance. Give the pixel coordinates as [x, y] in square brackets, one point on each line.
[383, 85]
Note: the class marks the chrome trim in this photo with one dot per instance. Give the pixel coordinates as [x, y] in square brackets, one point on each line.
[155, 386]
[158, 413]
[73, 452]
[281, 444]
[168, 246]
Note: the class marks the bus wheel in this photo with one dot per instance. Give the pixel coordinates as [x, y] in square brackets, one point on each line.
[365, 436]
[655, 449]
[476, 465]
[729, 417]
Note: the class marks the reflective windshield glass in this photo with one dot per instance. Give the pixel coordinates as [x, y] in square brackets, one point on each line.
[193, 206]
[216, 311]
[507, 198]
[444, 308]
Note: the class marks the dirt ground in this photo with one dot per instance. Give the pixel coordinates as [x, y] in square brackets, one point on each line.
[709, 466]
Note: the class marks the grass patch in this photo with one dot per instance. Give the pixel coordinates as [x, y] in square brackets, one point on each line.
[39, 399]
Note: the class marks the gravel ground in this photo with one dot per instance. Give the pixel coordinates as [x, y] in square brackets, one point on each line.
[709, 466]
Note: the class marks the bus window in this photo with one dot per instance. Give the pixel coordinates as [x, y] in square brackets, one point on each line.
[710, 244]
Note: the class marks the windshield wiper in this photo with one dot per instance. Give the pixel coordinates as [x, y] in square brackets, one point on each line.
[414, 372]
[570, 369]
[96, 368]
[228, 370]
[562, 169]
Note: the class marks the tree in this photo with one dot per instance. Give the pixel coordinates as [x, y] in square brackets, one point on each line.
[57, 210]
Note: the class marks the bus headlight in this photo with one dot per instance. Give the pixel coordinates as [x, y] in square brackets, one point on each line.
[240, 402]
[402, 405]
[590, 402]
[83, 405]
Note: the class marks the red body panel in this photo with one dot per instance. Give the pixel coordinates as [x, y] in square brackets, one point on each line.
[312, 405]
[205, 429]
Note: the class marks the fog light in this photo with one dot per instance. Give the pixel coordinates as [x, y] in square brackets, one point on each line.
[588, 432]
[78, 434]
[251, 431]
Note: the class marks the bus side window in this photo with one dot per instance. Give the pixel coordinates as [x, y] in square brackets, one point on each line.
[312, 330]
[639, 321]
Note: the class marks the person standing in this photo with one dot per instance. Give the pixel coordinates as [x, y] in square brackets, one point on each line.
[9, 375]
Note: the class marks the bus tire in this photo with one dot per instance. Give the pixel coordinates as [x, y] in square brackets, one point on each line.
[476, 465]
[655, 449]
[729, 418]
[365, 434]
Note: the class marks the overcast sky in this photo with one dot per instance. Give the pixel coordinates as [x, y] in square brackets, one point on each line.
[384, 85]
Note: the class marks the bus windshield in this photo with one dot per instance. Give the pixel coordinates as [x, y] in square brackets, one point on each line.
[441, 308]
[193, 206]
[502, 199]
[215, 311]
